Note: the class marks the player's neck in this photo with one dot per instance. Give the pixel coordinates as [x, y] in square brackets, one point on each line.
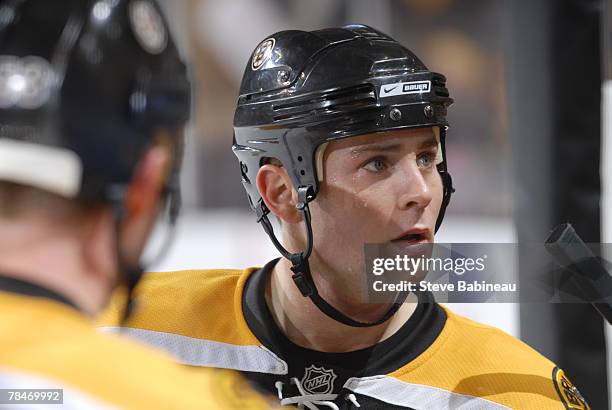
[304, 324]
[53, 259]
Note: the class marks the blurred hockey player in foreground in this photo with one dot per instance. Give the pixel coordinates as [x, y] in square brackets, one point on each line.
[93, 102]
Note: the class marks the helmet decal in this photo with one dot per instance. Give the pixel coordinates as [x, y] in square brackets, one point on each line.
[262, 53]
[410, 87]
[148, 26]
[25, 82]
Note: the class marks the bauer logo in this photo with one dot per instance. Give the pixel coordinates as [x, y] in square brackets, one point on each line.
[318, 380]
[413, 87]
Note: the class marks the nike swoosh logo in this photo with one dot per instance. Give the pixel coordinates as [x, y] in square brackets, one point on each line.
[388, 90]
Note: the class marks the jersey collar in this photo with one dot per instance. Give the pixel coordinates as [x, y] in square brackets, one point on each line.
[21, 287]
[412, 339]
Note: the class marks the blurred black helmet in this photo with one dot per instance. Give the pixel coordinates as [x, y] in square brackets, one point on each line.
[302, 89]
[84, 85]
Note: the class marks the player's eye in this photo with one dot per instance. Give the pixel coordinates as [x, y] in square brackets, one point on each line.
[376, 165]
[426, 159]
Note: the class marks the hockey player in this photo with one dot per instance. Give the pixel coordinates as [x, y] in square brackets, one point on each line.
[93, 101]
[340, 134]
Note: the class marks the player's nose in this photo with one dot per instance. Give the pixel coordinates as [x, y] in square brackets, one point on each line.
[414, 190]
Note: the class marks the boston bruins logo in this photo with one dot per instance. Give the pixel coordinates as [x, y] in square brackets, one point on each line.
[569, 394]
[148, 26]
[262, 53]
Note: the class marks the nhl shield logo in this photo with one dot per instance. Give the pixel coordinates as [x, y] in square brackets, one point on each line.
[318, 380]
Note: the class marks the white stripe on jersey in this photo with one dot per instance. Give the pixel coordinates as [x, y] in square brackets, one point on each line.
[399, 393]
[207, 353]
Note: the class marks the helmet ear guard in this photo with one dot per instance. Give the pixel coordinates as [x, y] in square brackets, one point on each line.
[344, 82]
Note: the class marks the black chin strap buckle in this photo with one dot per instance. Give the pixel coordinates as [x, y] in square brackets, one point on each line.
[301, 274]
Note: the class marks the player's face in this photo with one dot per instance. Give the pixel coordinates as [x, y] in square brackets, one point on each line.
[377, 188]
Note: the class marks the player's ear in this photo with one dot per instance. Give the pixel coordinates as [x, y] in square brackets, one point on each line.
[148, 181]
[143, 200]
[277, 192]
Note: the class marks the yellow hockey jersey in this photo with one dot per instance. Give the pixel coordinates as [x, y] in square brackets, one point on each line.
[437, 360]
[46, 343]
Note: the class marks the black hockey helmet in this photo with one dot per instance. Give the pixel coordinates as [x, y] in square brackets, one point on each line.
[302, 89]
[84, 87]
[85, 84]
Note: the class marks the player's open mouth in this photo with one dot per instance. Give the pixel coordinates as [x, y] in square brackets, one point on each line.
[414, 236]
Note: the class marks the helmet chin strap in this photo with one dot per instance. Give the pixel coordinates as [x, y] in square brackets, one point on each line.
[301, 269]
[447, 181]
